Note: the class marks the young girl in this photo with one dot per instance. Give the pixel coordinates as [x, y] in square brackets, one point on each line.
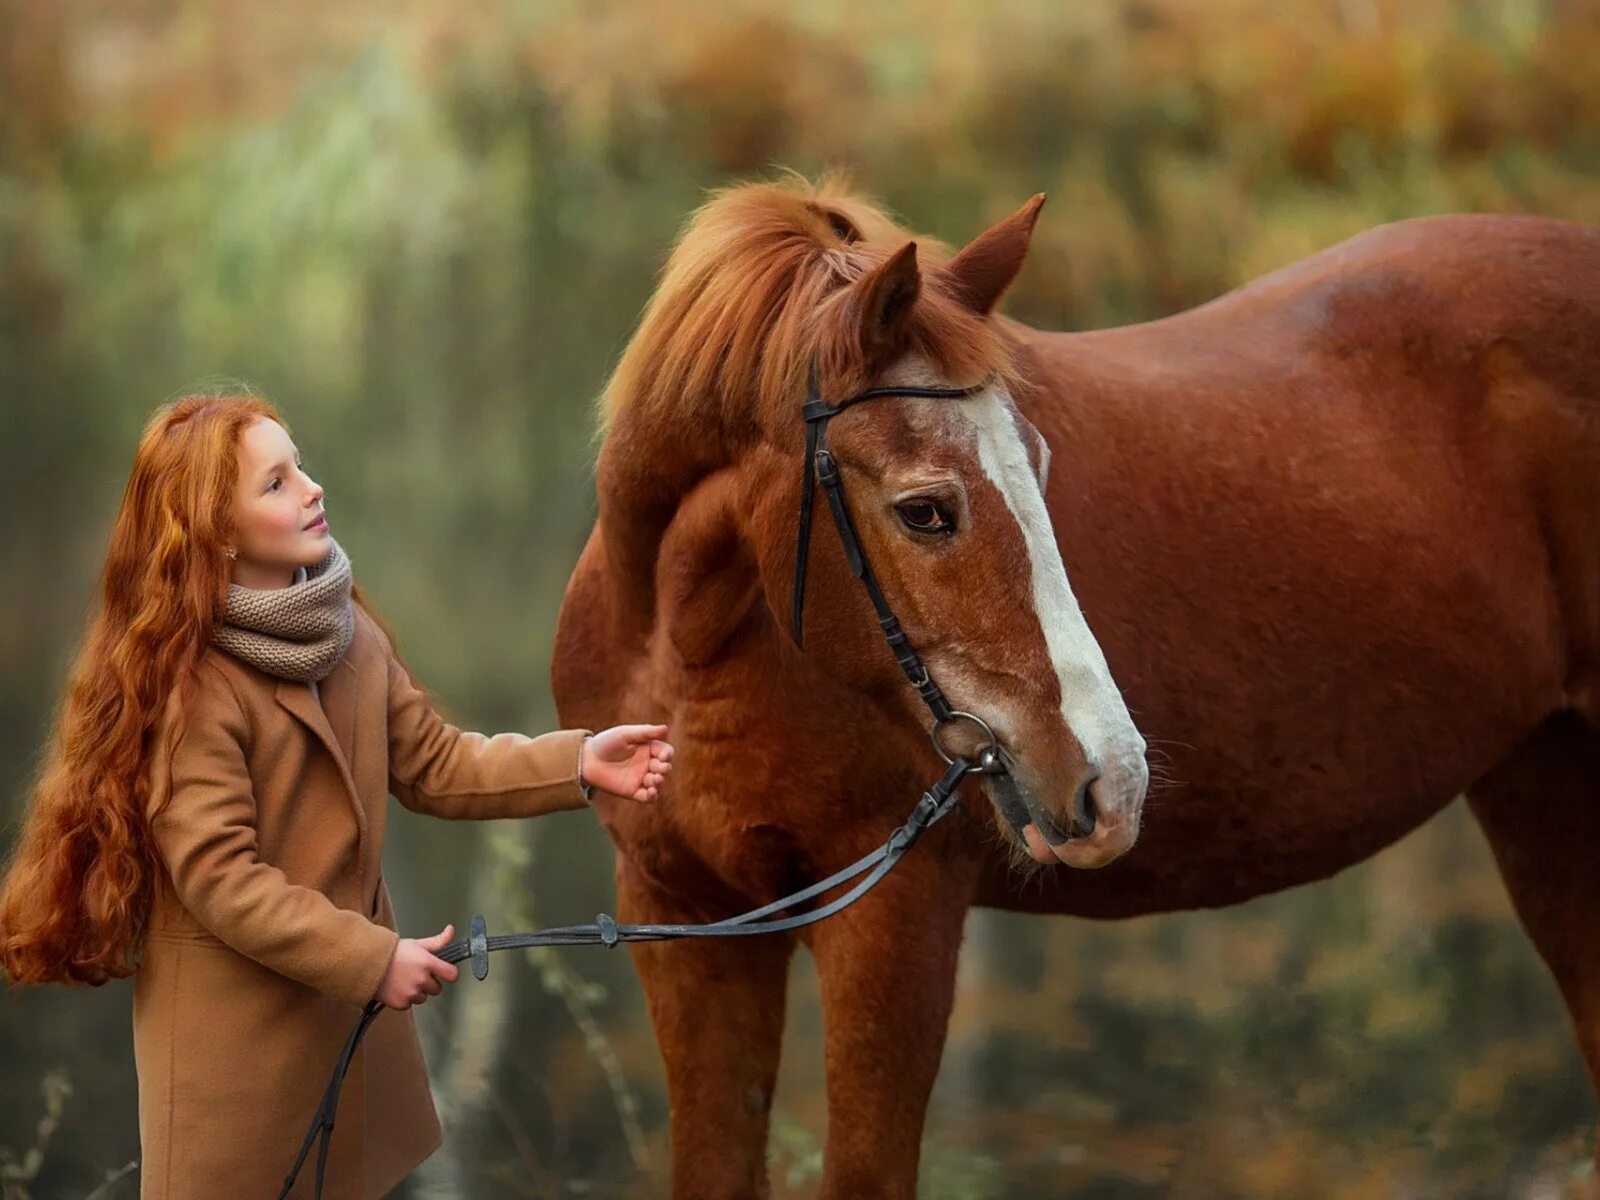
[210, 818]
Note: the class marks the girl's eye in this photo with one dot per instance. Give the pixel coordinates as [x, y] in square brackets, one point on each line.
[926, 516]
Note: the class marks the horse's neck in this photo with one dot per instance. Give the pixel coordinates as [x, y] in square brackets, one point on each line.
[684, 582]
[646, 469]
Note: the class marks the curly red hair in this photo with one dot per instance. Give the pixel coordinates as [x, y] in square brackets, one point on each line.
[79, 884]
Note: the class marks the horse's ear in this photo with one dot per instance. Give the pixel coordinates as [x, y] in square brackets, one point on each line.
[985, 268]
[882, 301]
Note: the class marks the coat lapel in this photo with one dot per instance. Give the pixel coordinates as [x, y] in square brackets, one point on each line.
[339, 703]
[333, 721]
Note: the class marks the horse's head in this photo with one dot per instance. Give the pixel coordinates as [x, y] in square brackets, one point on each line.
[947, 495]
[948, 499]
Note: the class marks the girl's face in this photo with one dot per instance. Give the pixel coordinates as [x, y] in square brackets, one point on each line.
[277, 510]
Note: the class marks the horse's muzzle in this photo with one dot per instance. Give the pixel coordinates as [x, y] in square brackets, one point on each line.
[1089, 837]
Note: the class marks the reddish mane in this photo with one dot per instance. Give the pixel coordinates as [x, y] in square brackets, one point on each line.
[755, 281]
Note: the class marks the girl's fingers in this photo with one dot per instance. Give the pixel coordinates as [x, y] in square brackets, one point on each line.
[437, 940]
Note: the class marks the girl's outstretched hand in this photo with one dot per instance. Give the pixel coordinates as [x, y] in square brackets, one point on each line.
[627, 760]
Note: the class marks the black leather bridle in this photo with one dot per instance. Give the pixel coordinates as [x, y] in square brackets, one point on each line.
[865, 872]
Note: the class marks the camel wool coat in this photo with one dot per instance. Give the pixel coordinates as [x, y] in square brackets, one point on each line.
[272, 926]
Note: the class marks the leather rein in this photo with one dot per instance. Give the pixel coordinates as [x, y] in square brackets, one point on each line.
[820, 466]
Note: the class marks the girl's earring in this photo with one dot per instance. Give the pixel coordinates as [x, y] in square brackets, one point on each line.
[232, 553]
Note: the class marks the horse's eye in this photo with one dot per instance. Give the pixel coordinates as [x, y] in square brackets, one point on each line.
[925, 516]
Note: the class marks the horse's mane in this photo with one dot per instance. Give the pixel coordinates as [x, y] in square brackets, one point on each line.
[755, 283]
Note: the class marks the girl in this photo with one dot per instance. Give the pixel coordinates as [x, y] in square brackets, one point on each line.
[210, 818]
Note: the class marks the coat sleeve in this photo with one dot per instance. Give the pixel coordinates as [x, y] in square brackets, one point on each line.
[206, 836]
[438, 769]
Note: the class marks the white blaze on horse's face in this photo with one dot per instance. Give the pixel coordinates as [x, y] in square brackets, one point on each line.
[1092, 718]
[1091, 705]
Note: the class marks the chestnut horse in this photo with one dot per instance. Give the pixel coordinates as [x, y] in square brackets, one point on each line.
[1336, 534]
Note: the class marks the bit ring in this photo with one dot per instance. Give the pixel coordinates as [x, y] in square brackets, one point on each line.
[988, 755]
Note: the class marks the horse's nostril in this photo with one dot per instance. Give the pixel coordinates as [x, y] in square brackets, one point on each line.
[1083, 809]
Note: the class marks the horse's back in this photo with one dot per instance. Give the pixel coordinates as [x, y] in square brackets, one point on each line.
[1461, 281]
[1526, 271]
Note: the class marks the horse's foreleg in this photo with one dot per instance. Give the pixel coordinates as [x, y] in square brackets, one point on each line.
[717, 1006]
[887, 969]
[1541, 812]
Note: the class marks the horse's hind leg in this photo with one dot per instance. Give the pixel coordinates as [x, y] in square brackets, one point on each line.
[718, 1007]
[1541, 812]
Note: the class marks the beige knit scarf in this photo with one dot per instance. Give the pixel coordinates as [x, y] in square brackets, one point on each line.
[297, 632]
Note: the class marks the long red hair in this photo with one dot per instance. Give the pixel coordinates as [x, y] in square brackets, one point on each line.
[78, 887]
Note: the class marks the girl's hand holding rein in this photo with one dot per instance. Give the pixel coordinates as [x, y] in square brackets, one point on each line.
[415, 972]
[626, 760]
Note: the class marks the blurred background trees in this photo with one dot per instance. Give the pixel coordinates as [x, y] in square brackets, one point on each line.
[425, 232]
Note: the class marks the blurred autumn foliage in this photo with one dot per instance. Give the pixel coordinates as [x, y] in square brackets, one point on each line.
[426, 230]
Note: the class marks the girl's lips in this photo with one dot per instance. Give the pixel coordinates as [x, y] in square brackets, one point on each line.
[319, 523]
